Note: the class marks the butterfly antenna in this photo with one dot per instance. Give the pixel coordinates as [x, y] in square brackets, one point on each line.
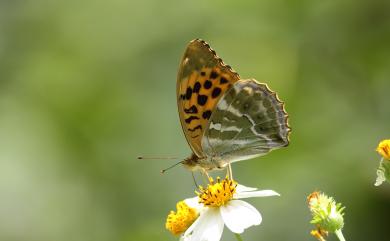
[155, 158]
[166, 169]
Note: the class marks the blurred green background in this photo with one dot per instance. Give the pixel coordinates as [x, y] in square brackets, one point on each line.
[86, 86]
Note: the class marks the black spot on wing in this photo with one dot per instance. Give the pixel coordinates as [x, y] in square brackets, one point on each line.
[191, 110]
[197, 87]
[213, 75]
[223, 81]
[206, 114]
[188, 93]
[195, 128]
[246, 105]
[202, 99]
[203, 73]
[216, 92]
[189, 119]
[207, 84]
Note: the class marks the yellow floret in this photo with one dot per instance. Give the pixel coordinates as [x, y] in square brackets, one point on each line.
[178, 222]
[384, 149]
[217, 194]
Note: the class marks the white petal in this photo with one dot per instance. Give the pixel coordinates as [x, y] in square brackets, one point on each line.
[380, 177]
[239, 215]
[262, 193]
[208, 227]
[194, 203]
[242, 188]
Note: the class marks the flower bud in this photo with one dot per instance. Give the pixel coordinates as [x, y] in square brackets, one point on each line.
[327, 214]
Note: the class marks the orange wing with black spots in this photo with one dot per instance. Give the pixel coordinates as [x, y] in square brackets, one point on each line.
[202, 80]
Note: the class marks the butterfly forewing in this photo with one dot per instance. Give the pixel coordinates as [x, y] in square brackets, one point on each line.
[248, 121]
[202, 80]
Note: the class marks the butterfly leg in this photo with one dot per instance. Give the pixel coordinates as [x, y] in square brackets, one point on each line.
[193, 178]
[205, 174]
[229, 172]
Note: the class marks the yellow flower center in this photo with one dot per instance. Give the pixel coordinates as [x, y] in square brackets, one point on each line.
[218, 193]
[384, 149]
[180, 221]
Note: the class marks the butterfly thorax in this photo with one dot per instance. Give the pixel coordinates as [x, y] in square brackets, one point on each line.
[194, 162]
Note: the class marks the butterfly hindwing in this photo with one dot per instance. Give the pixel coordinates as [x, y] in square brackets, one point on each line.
[202, 80]
[248, 121]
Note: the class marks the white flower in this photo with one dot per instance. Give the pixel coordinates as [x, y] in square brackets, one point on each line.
[219, 205]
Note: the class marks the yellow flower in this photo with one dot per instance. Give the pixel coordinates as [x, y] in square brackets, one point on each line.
[383, 171]
[178, 222]
[384, 149]
[217, 194]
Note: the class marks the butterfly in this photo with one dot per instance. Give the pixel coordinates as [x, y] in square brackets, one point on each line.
[225, 118]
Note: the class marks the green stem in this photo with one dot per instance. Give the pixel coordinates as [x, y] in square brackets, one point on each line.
[339, 235]
[238, 237]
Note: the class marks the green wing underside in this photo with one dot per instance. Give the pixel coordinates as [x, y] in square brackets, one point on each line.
[248, 121]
